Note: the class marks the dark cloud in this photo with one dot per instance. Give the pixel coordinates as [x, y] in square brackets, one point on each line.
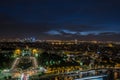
[82, 28]
[13, 28]
[64, 19]
[9, 24]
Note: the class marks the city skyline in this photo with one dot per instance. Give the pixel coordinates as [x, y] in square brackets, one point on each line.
[64, 19]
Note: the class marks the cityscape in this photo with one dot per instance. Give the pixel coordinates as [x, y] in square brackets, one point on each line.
[59, 40]
[60, 60]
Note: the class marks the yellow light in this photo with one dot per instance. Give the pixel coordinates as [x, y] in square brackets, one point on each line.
[17, 51]
[34, 51]
[110, 45]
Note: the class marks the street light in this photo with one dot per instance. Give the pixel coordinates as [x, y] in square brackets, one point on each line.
[17, 52]
[35, 51]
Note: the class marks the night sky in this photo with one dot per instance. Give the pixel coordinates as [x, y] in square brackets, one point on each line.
[60, 19]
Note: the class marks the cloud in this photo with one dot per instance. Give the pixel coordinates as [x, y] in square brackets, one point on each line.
[60, 19]
[100, 36]
[53, 32]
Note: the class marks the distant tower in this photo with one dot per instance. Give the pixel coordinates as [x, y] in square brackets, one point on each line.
[33, 39]
[76, 41]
